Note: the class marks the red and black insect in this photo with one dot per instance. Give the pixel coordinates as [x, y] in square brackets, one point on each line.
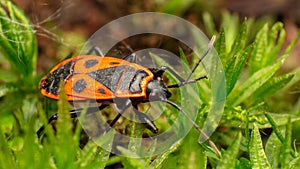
[112, 80]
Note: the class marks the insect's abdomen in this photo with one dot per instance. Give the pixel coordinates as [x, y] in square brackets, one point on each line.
[98, 78]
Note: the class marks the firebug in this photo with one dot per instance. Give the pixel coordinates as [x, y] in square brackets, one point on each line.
[112, 80]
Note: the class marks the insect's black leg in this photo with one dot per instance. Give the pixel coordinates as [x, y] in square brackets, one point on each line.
[210, 45]
[147, 122]
[77, 112]
[132, 57]
[50, 120]
[73, 113]
[159, 71]
[186, 82]
[122, 106]
[95, 50]
[142, 117]
[194, 124]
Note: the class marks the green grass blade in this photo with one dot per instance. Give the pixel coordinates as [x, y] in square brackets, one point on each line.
[230, 25]
[4, 89]
[192, 154]
[240, 39]
[161, 161]
[220, 46]
[92, 156]
[64, 135]
[249, 86]
[234, 68]
[243, 163]
[274, 127]
[295, 163]
[257, 155]
[137, 162]
[229, 158]
[18, 43]
[286, 148]
[176, 7]
[8, 76]
[6, 156]
[292, 44]
[259, 50]
[209, 24]
[276, 38]
[273, 150]
[271, 86]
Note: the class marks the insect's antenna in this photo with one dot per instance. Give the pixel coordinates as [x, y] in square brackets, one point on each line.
[210, 45]
[212, 144]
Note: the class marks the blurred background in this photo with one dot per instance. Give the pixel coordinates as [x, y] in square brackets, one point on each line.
[64, 25]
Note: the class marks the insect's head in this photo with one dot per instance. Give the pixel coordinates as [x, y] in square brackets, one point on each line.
[157, 90]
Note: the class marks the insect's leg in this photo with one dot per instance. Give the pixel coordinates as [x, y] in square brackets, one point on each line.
[95, 50]
[77, 112]
[73, 113]
[209, 47]
[182, 81]
[194, 124]
[142, 117]
[122, 107]
[40, 132]
[159, 71]
[186, 82]
[147, 122]
[132, 57]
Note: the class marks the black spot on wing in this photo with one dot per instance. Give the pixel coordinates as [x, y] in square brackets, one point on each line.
[52, 82]
[109, 77]
[90, 63]
[114, 63]
[102, 91]
[79, 86]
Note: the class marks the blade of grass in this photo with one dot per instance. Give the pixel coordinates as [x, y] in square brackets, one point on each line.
[5, 89]
[192, 154]
[276, 38]
[208, 23]
[230, 25]
[271, 87]
[257, 155]
[240, 39]
[176, 7]
[137, 162]
[248, 87]
[220, 46]
[64, 135]
[229, 158]
[273, 150]
[286, 148]
[161, 159]
[8, 76]
[6, 156]
[294, 164]
[234, 68]
[19, 44]
[258, 52]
